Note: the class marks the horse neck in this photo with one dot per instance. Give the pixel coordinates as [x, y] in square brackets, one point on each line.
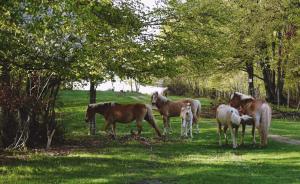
[100, 110]
[160, 102]
[248, 106]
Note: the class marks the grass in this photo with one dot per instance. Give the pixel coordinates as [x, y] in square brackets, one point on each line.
[199, 160]
[287, 128]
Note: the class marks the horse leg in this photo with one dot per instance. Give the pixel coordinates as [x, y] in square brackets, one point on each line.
[114, 130]
[169, 125]
[106, 125]
[139, 126]
[253, 134]
[243, 133]
[195, 121]
[219, 132]
[225, 135]
[232, 136]
[191, 128]
[165, 121]
[236, 135]
[182, 127]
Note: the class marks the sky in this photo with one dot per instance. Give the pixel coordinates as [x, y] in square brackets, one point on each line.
[149, 3]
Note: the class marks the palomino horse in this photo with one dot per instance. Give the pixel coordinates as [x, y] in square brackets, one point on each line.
[258, 109]
[168, 108]
[114, 112]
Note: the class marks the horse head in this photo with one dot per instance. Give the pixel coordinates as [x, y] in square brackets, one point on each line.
[237, 98]
[154, 98]
[89, 113]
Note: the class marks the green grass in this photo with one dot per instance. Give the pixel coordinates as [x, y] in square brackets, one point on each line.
[199, 160]
[287, 128]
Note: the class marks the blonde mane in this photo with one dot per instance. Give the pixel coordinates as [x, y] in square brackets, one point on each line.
[243, 96]
[162, 98]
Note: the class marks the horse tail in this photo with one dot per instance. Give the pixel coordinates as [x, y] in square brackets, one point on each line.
[266, 121]
[269, 115]
[151, 120]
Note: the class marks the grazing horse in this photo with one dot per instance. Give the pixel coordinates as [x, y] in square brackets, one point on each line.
[168, 108]
[259, 110]
[186, 120]
[114, 112]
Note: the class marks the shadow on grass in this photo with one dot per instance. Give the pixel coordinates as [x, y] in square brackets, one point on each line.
[130, 170]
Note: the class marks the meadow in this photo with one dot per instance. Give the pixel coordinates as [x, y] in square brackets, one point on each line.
[98, 159]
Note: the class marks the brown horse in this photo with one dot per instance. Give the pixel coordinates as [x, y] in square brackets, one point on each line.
[121, 113]
[168, 108]
[258, 109]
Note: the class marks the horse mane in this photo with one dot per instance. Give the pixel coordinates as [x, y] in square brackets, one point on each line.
[243, 96]
[95, 105]
[162, 98]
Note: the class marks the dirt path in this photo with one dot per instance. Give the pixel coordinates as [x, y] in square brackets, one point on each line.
[286, 140]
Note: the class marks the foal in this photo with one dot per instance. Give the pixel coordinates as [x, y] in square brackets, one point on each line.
[186, 120]
[229, 118]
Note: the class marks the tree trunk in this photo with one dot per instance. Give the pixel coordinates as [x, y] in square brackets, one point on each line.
[92, 100]
[280, 72]
[137, 86]
[250, 72]
[269, 80]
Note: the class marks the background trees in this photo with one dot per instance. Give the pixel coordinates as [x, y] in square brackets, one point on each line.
[222, 38]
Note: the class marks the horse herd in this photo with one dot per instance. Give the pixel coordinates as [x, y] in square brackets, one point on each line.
[241, 110]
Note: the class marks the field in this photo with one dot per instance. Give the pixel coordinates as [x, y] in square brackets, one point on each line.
[97, 159]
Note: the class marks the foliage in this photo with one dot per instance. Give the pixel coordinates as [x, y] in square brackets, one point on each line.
[211, 38]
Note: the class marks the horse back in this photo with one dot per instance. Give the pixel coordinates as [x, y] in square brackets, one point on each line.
[127, 112]
[174, 107]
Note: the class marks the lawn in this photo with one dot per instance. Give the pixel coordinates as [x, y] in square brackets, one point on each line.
[200, 160]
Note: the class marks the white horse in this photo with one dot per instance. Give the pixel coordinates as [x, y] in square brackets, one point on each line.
[186, 120]
[228, 117]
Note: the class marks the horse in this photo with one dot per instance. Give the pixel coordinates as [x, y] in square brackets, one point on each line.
[258, 109]
[122, 113]
[186, 115]
[230, 117]
[168, 108]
